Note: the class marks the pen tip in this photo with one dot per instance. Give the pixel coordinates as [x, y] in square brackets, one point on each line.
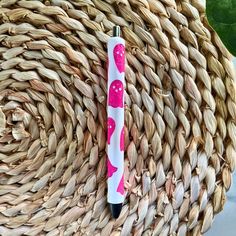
[116, 31]
[116, 209]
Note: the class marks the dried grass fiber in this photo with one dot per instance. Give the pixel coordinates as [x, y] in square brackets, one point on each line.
[180, 115]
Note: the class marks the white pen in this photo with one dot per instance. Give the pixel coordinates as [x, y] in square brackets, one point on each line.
[115, 122]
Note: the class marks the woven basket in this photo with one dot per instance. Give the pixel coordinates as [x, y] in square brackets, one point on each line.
[180, 134]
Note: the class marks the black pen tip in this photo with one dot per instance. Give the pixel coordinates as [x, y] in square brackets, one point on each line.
[116, 209]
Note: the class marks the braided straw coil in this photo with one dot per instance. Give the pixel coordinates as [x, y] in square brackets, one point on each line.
[180, 134]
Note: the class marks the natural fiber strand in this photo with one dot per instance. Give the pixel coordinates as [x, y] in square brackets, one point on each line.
[180, 133]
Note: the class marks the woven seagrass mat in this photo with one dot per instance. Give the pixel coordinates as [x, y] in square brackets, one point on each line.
[180, 134]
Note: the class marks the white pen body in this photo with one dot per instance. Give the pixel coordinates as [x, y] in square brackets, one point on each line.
[115, 119]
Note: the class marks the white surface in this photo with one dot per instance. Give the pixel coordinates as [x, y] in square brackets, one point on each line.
[225, 222]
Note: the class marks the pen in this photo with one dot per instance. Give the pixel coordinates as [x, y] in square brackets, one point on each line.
[115, 122]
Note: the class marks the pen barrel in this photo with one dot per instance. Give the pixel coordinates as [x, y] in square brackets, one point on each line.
[115, 120]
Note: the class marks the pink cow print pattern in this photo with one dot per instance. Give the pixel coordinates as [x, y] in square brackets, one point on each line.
[120, 188]
[122, 140]
[111, 169]
[111, 125]
[116, 92]
[119, 56]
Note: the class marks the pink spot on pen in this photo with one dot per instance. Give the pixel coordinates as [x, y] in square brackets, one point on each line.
[111, 125]
[111, 169]
[122, 139]
[116, 92]
[119, 57]
[120, 188]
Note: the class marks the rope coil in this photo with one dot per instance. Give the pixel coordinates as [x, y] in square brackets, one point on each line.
[180, 134]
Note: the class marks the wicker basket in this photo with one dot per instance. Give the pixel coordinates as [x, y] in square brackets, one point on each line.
[180, 134]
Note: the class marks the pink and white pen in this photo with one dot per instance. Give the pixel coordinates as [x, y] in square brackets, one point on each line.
[115, 122]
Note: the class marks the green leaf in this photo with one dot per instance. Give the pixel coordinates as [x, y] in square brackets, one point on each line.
[221, 15]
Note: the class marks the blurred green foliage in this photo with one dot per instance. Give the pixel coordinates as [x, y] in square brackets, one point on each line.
[221, 15]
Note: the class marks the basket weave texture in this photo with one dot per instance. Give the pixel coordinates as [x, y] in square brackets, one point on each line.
[180, 134]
